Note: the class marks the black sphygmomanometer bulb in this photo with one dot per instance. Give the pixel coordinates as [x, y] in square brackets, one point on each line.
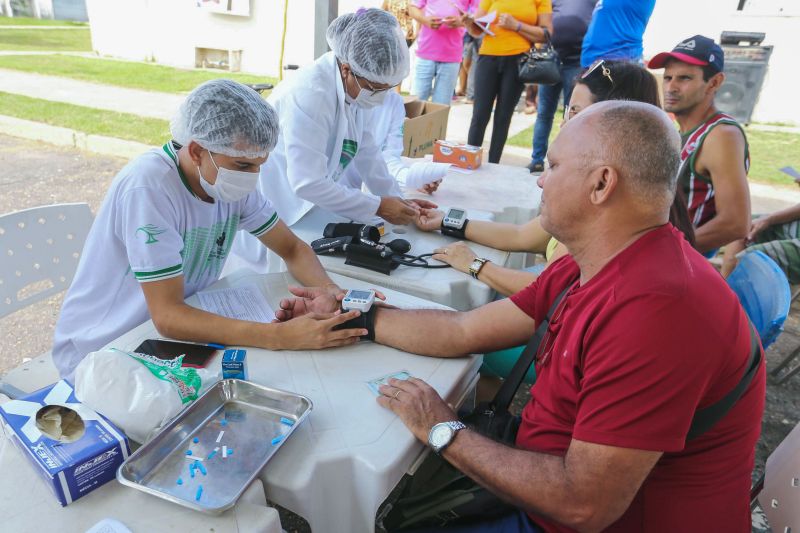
[399, 246]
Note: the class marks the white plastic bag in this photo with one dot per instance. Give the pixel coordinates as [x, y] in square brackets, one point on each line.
[137, 392]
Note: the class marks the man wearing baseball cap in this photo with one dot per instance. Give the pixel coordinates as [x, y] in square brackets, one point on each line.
[715, 157]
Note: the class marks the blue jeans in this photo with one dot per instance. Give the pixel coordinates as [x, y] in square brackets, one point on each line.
[548, 102]
[435, 77]
[517, 522]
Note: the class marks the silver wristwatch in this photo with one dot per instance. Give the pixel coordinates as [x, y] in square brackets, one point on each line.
[441, 435]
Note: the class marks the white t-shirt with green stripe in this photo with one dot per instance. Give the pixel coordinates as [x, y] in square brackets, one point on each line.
[150, 227]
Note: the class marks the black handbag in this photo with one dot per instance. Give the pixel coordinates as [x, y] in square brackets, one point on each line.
[540, 65]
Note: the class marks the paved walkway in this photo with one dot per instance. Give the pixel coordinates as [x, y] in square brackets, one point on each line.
[134, 101]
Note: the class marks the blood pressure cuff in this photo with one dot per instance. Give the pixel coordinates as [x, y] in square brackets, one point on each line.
[453, 232]
[364, 320]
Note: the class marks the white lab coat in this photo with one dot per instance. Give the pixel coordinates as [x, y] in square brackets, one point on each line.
[386, 123]
[306, 166]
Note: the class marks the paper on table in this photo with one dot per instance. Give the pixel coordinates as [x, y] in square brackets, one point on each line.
[242, 303]
[423, 173]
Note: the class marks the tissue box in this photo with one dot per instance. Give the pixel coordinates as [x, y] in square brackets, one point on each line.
[234, 364]
[460, 155]
[71, 469]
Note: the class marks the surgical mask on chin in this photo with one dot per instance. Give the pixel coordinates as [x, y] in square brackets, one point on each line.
[231, 185]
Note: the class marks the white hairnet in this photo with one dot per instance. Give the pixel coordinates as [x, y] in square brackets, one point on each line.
[372, 43]
[226, 117]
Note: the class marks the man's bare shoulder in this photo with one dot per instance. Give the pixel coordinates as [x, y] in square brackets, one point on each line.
[724, 145]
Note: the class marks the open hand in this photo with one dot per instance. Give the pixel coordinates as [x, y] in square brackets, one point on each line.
[430, 220]
[417, 404]
[458, 255]
[309, 300]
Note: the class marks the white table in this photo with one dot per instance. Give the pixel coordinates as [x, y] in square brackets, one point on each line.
[345, 459]
[27, 505]
[446, 286]
[509, 192]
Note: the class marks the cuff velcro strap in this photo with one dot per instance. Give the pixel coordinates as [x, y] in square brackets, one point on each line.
[453, 232]
[362, 321]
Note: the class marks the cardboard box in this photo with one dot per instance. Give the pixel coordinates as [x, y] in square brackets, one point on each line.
[460, 155]
[425, 123]
[234, 364]
[71, 469]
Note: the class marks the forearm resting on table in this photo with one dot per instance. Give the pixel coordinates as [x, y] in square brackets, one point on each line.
[441, 333]
[184, 322]
[587, 490]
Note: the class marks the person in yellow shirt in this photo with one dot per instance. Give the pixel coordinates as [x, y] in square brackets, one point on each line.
[518, 24]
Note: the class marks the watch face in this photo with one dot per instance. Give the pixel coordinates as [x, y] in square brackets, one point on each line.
[441, 435]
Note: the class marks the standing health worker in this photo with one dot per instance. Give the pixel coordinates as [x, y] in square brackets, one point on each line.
[322, 131]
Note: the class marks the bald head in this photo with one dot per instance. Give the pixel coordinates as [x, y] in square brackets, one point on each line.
[639, 141]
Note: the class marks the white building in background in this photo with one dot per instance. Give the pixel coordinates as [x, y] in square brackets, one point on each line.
[247, 34]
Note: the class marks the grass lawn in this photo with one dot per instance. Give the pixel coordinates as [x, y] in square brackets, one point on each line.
[28, 21]
[769, 151]
[130, 74]
[121, 125]
[39, 40]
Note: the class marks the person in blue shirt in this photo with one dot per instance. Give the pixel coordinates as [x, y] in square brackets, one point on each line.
[570, 21]
[616, 31]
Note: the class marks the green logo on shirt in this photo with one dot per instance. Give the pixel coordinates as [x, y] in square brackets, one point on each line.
[151, 231]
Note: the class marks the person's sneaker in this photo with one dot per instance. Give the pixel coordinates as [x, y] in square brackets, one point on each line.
[535, 168]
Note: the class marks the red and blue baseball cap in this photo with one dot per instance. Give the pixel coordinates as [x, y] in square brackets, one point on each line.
[697, 50]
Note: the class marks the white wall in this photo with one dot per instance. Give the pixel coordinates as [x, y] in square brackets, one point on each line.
[674, 20]
[167, 31]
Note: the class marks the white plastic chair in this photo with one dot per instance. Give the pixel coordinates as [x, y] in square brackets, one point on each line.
[40, 248]
[778, 491]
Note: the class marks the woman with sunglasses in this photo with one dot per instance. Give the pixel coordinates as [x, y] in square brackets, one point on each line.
[323, 132]
[602, 81]
[517, 25]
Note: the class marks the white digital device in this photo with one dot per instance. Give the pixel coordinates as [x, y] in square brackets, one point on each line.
[358, 299]
[455, 218]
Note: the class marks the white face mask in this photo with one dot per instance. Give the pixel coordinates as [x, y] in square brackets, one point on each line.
[366, 98]
[231, 185]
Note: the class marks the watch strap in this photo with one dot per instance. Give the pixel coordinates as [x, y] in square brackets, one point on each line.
[477, 265]
[453, 232]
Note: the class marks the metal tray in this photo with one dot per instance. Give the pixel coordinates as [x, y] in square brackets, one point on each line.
[252, 415]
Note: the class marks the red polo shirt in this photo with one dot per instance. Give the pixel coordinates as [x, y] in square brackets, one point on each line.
[655, 335]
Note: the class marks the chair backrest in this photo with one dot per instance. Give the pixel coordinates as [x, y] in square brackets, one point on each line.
[780, 497]
[764, 292]
[39, 252]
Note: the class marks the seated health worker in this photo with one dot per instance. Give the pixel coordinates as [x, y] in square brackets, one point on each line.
[323, 131]
[166, 226]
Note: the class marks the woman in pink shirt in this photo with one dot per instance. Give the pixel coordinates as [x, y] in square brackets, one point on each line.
[439, 46]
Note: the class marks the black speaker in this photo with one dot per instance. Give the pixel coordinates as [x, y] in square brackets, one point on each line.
[745, 68]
